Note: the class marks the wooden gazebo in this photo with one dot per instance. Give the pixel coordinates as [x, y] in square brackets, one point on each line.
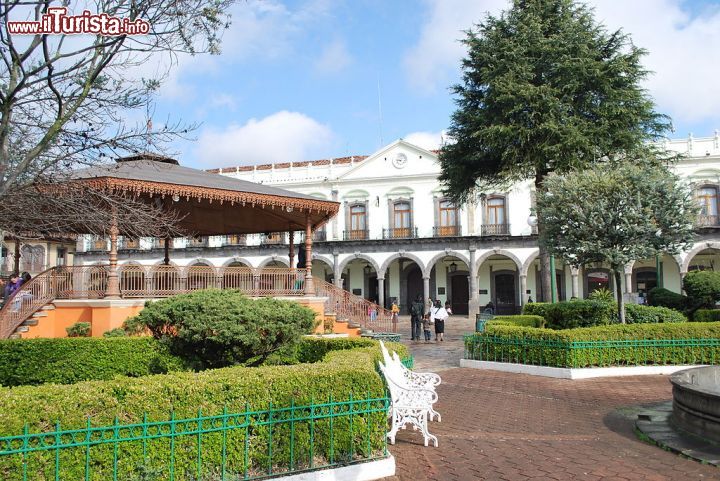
[208, 204]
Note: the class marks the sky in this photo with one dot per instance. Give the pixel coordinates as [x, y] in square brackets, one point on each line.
[305, 80]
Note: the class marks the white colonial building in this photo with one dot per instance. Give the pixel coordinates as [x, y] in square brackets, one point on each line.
[397, 237]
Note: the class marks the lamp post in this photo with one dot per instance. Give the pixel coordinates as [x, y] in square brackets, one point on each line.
[532, 222]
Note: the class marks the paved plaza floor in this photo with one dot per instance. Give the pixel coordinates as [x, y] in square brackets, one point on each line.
[501, 426]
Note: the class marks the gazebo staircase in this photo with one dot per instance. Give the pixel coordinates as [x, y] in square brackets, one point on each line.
[33, 303]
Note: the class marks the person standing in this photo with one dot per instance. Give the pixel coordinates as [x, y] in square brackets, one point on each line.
[395, 309]
[439, 314]
[426, 323]
[416, 313]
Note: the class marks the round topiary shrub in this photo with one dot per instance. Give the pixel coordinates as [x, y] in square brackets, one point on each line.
[579, 313]
[661, 297]
[638, 314]
[703, 288]
[216, 328]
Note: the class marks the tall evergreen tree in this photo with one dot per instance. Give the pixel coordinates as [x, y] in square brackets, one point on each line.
[545, 89]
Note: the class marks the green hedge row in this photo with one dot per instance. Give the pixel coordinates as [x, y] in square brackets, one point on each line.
[614, 345]
[520, 321]
[69, 360]
[535, 308]
[339, 375]
[29, 362]
[588, 313]
[706, 315]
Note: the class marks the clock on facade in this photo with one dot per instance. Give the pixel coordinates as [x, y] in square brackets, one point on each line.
[400, 160]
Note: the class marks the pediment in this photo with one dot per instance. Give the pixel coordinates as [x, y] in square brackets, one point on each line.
[398, 159]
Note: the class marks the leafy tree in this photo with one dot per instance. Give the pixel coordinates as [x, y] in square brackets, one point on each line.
[216, 328]
[614, 214]
[70, 100]
[703, 289]
[545, 89]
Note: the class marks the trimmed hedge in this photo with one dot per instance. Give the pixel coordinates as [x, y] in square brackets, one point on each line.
[638, 314]
[535, 309]
[69, 360]
[597, 346]
[706, 315]
[339, 375]
[579, 313]
[520, 321]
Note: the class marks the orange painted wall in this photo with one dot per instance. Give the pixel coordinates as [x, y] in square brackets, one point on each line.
[103, 319]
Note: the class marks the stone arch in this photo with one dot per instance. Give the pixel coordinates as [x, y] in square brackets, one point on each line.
[127, 264]
[528, 262]
[685, 264]
[279, 259]
[199, 262]
[448, 253]
[365, 257]
[404, 255]
[499, 252]
[233, 260]
[323, 259]
[133, 277]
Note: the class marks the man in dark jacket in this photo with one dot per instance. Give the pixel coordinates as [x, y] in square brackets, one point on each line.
[416, 314]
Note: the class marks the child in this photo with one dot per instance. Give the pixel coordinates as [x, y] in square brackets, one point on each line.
[426, 322]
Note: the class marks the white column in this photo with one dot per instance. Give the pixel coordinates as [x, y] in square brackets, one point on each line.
[474, 303]
[381, 291]
[337, 273]
[574, 273]
[523, 289]
[426, 290]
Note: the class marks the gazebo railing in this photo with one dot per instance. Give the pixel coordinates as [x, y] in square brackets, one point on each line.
[137, 281]
[77, 282]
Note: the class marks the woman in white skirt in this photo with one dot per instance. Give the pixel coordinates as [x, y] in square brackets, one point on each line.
[439, 314]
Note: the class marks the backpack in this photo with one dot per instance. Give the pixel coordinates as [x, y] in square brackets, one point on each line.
[414, 309]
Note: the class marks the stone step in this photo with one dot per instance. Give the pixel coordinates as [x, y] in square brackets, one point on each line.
[22, 329]
[30, 322]
[48, 307]
[40, 314]
[15, 336]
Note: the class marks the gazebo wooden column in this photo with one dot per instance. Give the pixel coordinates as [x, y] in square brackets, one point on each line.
[309, 285]
[291, 249]
[113, 282]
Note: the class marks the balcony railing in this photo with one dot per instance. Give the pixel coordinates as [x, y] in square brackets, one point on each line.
[704, 220]
[234, 240]
[495, 229]
[400, 233]
[201, 241]
[160, 243]
[274, 238]
[126, 244]
[447, 231]
[98, 245]
[357, 234]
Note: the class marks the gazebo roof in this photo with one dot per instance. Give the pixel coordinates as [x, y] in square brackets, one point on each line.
[211, 204]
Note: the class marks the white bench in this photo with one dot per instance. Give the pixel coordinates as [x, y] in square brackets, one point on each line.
[412, 396]
[410, 405]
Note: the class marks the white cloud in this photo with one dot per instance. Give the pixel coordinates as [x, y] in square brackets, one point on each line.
[683, 49]
[334, 58]
[431, 62]
[683, 53]
[281, 137]
[426, 140]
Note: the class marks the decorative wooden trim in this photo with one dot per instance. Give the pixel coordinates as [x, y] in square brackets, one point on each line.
[159, 188]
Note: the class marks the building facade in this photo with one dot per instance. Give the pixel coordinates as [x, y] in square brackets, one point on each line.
[397, 237]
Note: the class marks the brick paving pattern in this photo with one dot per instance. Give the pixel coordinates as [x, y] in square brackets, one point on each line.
[512, 427]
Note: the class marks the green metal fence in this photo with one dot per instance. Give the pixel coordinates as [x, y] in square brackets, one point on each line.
[248, 445]
[408, 362]
[575, 354]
